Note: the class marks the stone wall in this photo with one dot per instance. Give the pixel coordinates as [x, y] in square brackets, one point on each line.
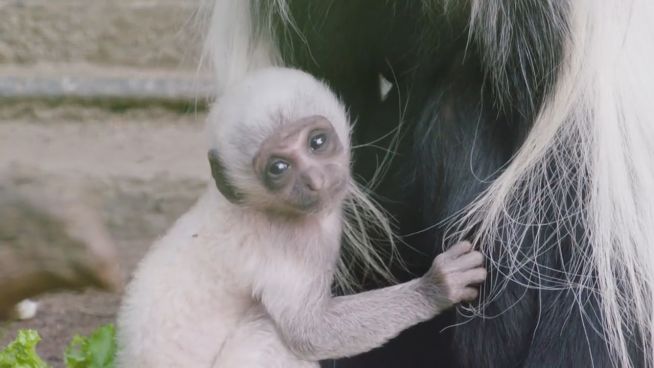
[131, 33]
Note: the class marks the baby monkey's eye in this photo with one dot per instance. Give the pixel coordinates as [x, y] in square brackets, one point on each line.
[278, 167]
[317, 141]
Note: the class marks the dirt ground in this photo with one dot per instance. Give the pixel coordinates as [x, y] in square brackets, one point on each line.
[146, 165]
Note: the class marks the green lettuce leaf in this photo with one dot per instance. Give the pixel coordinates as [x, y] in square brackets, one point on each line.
[21, 353]
[94, 351]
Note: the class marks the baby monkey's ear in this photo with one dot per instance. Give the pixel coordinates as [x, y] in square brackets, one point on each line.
[223, 183]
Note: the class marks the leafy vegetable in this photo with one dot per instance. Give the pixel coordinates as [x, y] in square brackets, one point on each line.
[21, 353]
[95, 351]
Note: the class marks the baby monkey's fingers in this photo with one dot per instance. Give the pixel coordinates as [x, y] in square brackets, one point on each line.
[458, 249]
[468, 294]
[455, 273]
[474, 276]
[466, 261]
[465, 289]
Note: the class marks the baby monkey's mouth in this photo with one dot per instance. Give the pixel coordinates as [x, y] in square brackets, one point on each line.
[305, 200]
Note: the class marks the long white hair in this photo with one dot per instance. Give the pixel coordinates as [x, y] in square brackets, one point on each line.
[586, 169]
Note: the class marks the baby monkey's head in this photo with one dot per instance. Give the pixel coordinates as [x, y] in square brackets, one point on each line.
[280, 144]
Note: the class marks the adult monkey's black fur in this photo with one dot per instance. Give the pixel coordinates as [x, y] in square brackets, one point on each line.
[473, 100]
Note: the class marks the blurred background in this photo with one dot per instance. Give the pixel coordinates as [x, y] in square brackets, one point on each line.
[102, 106]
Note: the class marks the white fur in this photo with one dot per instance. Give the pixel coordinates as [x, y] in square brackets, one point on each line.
[195, 292]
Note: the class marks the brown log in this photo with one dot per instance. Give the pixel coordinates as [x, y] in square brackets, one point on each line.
[51, 237]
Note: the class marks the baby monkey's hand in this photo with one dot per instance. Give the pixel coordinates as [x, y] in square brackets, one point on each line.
[454, 275]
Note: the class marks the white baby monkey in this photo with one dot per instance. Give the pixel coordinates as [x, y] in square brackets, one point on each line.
[243, 280]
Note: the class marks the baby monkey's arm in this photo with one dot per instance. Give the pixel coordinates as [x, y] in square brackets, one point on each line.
[318, 326]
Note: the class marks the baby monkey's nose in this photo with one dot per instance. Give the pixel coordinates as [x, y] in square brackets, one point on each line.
[313, 178]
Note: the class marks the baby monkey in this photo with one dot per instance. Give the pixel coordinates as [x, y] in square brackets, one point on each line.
[243, 280]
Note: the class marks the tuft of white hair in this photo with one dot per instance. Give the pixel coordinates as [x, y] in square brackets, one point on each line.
[232, 45]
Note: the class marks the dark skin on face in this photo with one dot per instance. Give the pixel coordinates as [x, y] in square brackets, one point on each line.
[303, 166]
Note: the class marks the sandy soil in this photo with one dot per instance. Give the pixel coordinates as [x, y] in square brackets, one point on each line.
[147, 166]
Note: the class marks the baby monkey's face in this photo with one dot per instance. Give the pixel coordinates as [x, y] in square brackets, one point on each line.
[303, 166]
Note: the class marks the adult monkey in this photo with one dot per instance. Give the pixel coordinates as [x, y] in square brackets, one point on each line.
[527, 124]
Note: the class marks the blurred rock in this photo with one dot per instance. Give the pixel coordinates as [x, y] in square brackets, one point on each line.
[51, 237]
[24, 310]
